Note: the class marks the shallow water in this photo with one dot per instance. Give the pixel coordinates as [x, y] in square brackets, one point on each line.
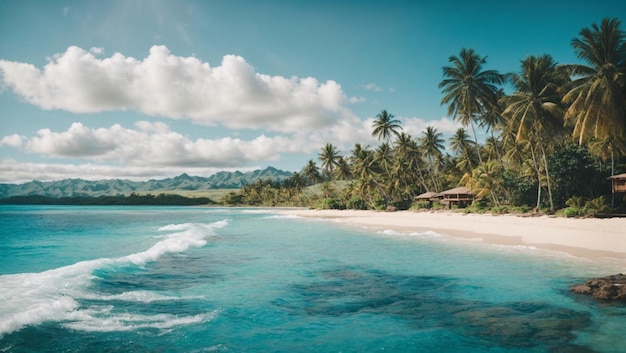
[146, 279]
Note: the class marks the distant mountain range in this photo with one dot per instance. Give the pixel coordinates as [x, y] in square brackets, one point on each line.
[113, 187]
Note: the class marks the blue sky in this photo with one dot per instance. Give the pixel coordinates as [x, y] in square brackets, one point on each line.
[151, 89]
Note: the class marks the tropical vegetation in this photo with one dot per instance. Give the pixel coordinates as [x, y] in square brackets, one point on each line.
[551, 142]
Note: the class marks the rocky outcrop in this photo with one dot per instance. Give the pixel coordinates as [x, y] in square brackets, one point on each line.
[604, 288]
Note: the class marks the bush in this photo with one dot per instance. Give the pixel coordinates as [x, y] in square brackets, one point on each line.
[499, 210]
[520, 209]
[402, 204]
[330, 204]
[571, 212]
[356, 203]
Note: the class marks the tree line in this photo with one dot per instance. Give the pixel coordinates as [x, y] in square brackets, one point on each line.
[119, 200]
[550, 143]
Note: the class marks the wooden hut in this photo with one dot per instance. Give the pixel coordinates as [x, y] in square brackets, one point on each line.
[427, 197]
[618, 183]
[461, 197]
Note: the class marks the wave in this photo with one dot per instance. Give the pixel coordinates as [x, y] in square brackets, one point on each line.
[394, 233]
[54, 295]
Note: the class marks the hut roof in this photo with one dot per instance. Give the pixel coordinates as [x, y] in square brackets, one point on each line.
[618, 176]
[427, 195]
[456, 191]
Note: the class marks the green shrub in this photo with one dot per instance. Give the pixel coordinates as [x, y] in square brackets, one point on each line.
[330, 204]
[356, 203]
[499, 210]
[571, 212]
[520, 209]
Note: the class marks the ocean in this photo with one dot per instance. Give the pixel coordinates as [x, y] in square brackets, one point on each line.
[199, 279]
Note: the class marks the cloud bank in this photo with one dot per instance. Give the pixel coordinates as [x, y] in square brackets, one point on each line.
[232, 94]
[154, 144]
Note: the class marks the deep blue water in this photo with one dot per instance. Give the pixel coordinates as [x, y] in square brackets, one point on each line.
[157, 279]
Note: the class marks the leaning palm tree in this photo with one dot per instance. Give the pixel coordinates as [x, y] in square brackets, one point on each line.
[408, 157]
[597, 97]
[534, 111]
[468, 89]
[329, 156]
[385, 126]
[343, 171]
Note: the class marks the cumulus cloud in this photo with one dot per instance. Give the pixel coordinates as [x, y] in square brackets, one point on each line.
[157, 145]
[162, 84]
[13, 140]
[415, 126]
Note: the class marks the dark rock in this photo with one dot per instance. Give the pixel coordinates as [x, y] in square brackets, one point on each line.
[611, 288]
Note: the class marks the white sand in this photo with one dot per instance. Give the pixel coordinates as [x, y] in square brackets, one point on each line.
[590, 238]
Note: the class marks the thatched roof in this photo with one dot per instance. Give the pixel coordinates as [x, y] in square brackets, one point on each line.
[618, 176]
[457, 191]
[426, 196]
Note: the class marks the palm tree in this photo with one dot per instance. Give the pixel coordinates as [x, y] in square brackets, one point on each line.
[312, 172]
[468, 89]
[385, 126]
[296, 181]
[597, 98]
[329, 158]
[534, 112]
[343, 169]
[383, 157]
[432, 144]
[408, 157]
[461, 144]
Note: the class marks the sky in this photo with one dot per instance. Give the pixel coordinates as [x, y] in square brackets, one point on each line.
[149, 89]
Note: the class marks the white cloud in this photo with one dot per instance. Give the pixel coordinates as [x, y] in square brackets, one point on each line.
[154, 144]
[162, 84]
[372, 87]
[415, 126]
[14, 140]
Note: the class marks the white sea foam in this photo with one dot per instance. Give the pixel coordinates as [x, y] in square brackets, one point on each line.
[393, 233]
[32, 298]
[287, 216]
[104, 320]
[135, 296]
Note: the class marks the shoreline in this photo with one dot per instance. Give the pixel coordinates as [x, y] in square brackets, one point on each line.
[590, 238]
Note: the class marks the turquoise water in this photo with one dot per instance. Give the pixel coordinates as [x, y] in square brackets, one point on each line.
[146, 279]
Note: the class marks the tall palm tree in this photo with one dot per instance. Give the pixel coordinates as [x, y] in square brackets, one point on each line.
[534, 111]
[468, 89]
[385, 126]
[432, 144]
[597, 98]
[329, 156]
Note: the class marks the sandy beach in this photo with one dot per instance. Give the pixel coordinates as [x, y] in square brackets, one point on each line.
[589, 238]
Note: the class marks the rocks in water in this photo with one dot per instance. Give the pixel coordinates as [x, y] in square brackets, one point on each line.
[604, 288]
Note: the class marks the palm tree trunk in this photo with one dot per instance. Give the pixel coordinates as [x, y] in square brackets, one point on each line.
[612, 174]
[532, 153]
[494, 197]
[545, 163]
